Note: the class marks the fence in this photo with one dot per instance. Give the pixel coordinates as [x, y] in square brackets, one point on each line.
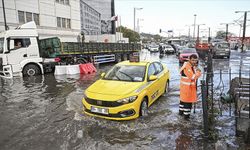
[226, 92]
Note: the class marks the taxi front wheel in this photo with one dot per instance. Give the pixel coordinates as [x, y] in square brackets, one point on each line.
[144, 108]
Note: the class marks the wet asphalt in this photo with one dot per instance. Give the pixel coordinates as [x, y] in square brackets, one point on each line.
[45, 113]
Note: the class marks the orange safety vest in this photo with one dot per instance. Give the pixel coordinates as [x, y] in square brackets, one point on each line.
[188, 83]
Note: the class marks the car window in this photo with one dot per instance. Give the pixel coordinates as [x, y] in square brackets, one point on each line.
[158, 68]
[151, 70]
[126, 73]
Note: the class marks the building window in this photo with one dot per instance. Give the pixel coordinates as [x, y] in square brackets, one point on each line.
[27, 17]
[21, 17]
[36, 18]
[68, 23]
[63, 22]
[65, 2]
[59, 22]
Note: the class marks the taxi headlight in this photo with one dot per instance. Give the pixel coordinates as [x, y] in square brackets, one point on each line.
[226, 49]
[127, 100]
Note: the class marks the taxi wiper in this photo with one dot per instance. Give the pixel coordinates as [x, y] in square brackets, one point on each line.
[131, 78]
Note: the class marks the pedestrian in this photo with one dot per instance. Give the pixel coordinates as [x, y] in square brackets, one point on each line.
[188, 87]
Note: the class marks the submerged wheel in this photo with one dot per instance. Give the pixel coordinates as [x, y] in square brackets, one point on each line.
[31, 70]
[81, 61]
[166, 87]
[144, 108]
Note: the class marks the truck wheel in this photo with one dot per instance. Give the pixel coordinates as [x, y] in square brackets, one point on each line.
[81, 61]
[31, 70]
[247, 136]
[144, 108]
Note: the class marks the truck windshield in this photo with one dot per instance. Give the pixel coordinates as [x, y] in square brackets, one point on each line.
[1, 45]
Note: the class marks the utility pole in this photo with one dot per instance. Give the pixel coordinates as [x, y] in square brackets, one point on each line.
[4, 16]
[244, 28]
[194, 25]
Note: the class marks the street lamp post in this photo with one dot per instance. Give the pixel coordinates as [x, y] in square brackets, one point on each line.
[188, 31]
[198, 31]
[244, 27]
[226, 29]
[134, 15]
[194, 25]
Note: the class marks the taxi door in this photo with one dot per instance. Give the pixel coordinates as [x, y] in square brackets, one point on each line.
[153, 90]
[161, 77]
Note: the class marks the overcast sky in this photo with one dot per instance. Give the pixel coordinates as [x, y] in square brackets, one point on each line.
[177, 15]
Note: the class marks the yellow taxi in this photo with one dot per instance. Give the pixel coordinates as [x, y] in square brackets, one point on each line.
[126, 91]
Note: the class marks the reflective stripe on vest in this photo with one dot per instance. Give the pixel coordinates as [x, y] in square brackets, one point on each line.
[187, 83]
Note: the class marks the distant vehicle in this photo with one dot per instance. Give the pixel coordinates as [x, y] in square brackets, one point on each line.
[185, 53]
[154, 48]
[127, 90]
[180, 48]
[221, 49]
[168, 49]
[202, 46]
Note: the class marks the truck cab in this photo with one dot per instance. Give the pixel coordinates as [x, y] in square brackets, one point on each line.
[19, 52]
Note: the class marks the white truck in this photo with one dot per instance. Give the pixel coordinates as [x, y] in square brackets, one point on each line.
[23, 54]
[19, 52]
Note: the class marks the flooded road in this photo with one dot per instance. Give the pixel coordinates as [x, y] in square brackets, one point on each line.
[45, 112]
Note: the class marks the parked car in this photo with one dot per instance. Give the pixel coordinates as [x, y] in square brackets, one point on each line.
[127, 90]
[185, 53]
[221, 49]
[168, 49]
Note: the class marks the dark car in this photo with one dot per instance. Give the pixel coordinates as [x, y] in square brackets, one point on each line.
[221, 49]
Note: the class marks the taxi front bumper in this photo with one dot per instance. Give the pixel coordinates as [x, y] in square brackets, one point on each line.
[123, 112]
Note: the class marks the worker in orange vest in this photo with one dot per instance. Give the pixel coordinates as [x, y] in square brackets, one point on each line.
[189, 75]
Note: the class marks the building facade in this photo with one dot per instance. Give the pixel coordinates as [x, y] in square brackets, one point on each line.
[90, 19]
[66, 19]
[106, 10]
[59, 18]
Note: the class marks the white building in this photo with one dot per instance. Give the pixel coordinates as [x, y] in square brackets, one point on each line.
[90, 19]
[59, 18]
[65, 19]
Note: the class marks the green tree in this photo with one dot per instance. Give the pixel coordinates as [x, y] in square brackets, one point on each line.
[130, 34]
[222, 34]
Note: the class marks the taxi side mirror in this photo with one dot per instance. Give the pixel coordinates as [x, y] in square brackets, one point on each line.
[103, 74]
[152, 78]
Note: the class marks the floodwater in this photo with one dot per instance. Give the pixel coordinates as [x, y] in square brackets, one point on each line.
[45, 112]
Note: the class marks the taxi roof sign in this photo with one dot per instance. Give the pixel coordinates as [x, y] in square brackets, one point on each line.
[134, 57]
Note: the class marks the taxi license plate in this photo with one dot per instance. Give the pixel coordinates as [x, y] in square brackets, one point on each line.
[99, 110]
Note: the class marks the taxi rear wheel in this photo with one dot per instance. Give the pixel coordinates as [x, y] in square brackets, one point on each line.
[144, 108]
[166, 87]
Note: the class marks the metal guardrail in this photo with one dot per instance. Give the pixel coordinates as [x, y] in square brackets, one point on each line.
[104, 58]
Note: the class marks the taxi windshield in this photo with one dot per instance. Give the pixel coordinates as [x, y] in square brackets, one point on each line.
[126, 73]
[1, 45]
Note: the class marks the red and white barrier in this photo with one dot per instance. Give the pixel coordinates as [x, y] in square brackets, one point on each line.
[75, 69]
